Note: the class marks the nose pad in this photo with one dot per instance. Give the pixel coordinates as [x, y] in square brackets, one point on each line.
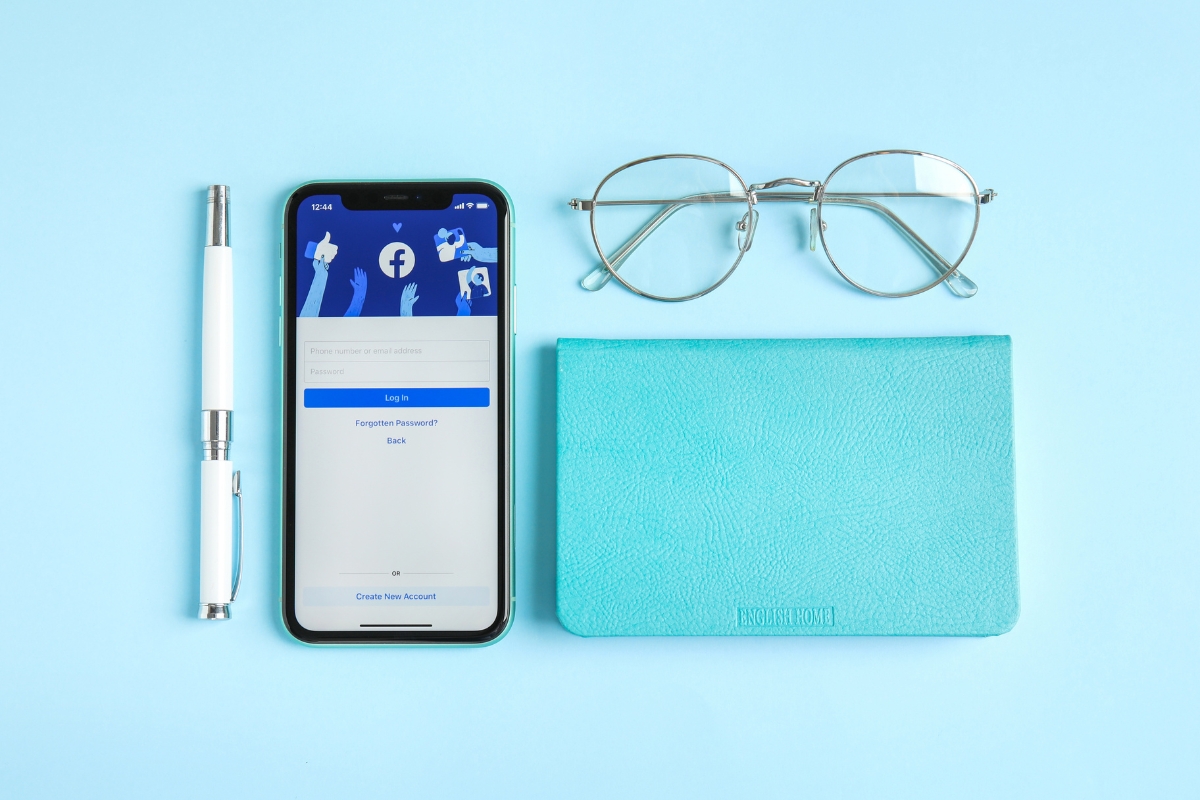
[746, 226]
[812, 228]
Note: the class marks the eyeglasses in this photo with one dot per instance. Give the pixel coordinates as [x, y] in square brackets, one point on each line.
[899, 221]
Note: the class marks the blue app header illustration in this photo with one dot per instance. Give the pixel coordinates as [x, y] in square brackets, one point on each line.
[396, 263]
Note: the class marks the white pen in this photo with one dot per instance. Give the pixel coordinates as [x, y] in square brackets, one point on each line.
[219, 484]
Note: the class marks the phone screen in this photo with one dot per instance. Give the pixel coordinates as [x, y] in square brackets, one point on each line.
[397, 477]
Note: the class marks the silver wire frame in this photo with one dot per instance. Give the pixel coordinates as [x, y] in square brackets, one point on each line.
[958, 283]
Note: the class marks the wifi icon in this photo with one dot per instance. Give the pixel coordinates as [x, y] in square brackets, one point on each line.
[470, 205]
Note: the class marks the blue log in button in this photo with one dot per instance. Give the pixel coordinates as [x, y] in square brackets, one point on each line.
[398, 398]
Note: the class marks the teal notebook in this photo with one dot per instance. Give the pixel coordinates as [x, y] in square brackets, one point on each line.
[786, 487]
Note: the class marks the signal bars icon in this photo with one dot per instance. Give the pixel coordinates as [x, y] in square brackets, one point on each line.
[459, 206]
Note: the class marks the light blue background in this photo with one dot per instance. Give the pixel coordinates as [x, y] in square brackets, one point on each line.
[116, 117]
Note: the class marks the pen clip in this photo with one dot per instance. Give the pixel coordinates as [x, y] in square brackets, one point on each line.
[237, 575]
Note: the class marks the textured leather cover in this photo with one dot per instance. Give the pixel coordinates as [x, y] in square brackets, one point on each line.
[784, 487]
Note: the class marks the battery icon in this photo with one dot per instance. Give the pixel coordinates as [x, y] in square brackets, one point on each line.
[481, 205]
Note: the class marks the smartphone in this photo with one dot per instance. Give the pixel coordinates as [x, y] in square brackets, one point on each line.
[396, 332]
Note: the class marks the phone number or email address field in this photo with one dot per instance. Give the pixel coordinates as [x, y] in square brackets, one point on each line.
[452, 361]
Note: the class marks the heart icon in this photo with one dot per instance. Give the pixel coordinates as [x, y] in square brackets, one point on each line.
[396, 226]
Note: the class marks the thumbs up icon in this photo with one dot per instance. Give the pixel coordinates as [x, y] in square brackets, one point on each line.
[323, 250]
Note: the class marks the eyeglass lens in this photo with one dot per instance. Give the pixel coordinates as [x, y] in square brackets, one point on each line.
[669, 227]
[895, 223]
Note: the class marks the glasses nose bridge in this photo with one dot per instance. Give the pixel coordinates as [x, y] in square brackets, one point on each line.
[802, 182]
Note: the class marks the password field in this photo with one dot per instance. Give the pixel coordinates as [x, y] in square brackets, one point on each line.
[396, 371]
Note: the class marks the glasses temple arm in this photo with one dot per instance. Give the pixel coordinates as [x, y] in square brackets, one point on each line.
[958, 283]
[598, 278]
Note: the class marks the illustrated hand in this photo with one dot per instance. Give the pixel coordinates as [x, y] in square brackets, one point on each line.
[487, 255]
[464, 304]
[360, 293]
[326, 251]
[316, 289]
[359, 283]
[407, 298]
